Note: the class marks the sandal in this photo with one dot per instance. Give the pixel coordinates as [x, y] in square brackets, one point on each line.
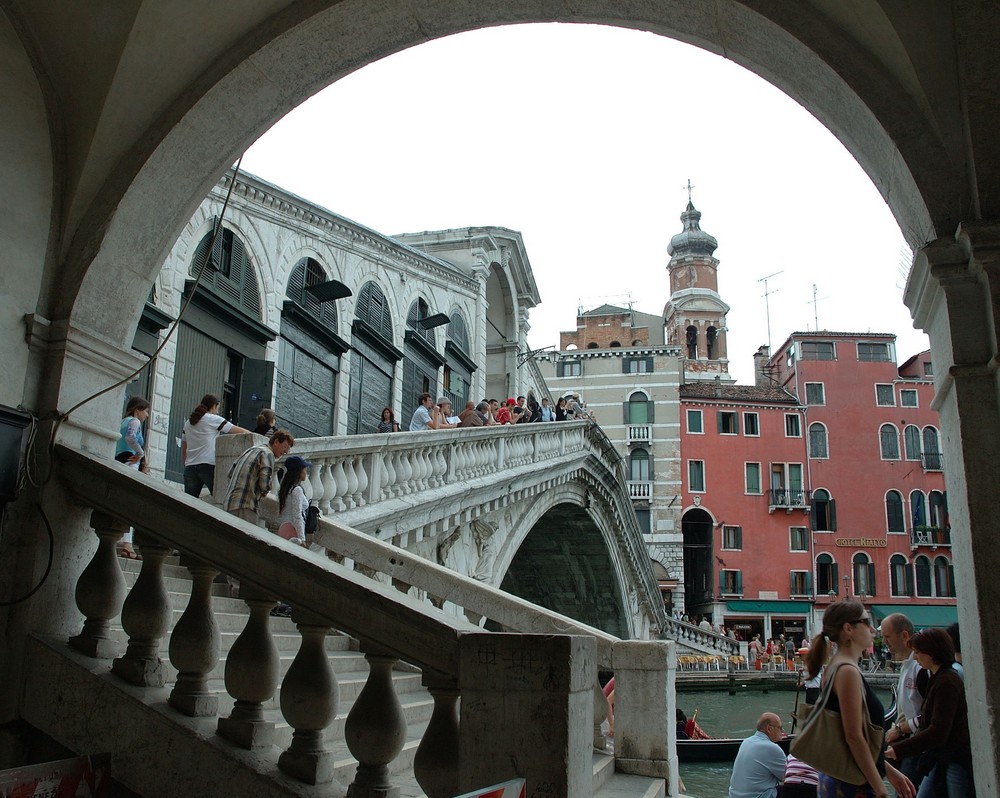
[129, 554]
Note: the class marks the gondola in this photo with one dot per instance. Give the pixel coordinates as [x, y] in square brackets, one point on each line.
[724, 749]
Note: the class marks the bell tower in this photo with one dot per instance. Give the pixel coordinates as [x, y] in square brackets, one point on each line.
[694, 317]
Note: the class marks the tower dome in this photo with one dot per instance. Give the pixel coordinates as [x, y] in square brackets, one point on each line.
[692, 241]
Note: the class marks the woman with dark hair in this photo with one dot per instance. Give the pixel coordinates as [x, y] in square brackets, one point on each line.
[266, 422]
[388, 422]
[561, 409]
[129, 450]
[848, 624]
[201, 429]
[292, 502]
[943, 737]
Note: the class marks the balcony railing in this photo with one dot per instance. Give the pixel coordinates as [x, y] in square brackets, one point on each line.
[931, 536]
[638, 433]
[784, 498]
[640, 490]
[933, 461]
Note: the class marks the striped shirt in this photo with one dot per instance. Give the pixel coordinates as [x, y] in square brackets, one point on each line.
[798, 772]
[250, 478]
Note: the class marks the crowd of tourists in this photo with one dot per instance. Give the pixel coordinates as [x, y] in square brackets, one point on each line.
[430, 415]
[844, 748]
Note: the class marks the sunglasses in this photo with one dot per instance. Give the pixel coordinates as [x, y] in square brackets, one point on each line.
[866, 621]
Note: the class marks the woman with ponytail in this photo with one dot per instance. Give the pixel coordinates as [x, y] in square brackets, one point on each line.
[201, 429]
[848, 625]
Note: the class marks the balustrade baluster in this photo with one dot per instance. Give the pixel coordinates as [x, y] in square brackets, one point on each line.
[375, 730]
[440, 466]
[435, 763]
[100, 590]
[315, 481]
[340, 479]
[195, 646]
[146, 619]
[458, 462]
[329, 490]
[251, 678]
[362, 474]
[427, 469]
[405, 470]
[309, 696]
[352, 483]
[388, 476]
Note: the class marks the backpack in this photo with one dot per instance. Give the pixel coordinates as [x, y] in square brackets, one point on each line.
[312, 519]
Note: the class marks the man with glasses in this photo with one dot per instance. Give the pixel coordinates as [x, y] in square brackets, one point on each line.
[897, 630]
[760, 763]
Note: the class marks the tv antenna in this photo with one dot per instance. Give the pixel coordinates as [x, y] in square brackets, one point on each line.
[767, 304]
[815, 302]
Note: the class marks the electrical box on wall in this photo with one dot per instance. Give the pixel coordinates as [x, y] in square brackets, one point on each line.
[12, 425]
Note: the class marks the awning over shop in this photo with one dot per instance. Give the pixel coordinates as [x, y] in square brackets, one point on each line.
[922, 615]
[773, 607]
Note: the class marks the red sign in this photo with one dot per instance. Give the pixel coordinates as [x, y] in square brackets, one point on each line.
[83, 777]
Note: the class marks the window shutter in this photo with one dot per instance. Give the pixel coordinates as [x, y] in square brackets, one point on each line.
[722, 581]
[739, 582]
[217, 247]
[791, 583]
[833, 515]
[649, 412]
[650, 461]
[809, 578]
[625, 413]
[814, 515]
[625, 365]
[834, 577]
[908, 579]
[560, 369]
[871, 579]
[649, 365]
[718, 420]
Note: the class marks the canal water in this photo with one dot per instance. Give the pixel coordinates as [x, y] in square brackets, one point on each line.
[723, 715]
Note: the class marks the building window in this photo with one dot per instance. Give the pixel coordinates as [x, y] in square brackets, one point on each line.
[884, 395]
[696, 476]
[918, 513]
[639, 465]
[637, 365]
[732, 537]
[907, 397]
[911, 442]
[798, 538]
[823, 512]
[900, 576]
[638, 409]
[932, 454]
[731, 583]
[889, 442]
[793, 427]
[751, 424]
[864, 575]
[937, 505]
[752, 471]
[818, 449]
[729, 423]
[569, 368]
[692, 342]
[826, 575]
[787, 488]
[694, 421]
[818, 350]
[944, 578]
[815, 393]
[710, 335]
[922, 567]
[894, 519]
[800, 583]
[874, 352]
[928, 369]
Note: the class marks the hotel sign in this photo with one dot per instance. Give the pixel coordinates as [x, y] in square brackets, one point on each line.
[872, 543]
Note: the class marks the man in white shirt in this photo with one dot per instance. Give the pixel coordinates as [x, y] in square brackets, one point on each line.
[896, 630]
[421, 419]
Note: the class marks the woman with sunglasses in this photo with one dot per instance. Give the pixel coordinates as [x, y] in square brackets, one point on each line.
[847, 624]
[943, 739]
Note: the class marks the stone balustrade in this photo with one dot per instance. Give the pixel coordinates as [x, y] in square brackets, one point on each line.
[457, 657]
[705, 640]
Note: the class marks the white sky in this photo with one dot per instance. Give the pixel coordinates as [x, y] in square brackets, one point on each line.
[583, 138]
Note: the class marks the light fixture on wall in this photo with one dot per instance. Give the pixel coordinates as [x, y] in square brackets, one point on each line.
[430, 322]
[329, 291]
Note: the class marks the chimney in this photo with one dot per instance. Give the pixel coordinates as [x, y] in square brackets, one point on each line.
[718, 387]
[760, 358]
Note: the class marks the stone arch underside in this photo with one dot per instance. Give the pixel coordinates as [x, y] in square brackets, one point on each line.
[184, 149]
[563, 564]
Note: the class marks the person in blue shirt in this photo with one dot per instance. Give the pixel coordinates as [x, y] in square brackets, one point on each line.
[760, 763]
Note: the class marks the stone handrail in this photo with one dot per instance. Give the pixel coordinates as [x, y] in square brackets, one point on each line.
[704, 639]
[456, 656]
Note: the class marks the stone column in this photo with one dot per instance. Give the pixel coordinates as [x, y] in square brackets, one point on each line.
[481, 271]
[645, 731]
[954, 295]
[510, 681]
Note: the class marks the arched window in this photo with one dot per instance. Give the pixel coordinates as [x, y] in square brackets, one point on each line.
[692, 342]
[922, 567]
[889, 440]
[228, 269]
[826, 575]
[306, 274]
[818, 449]
[458, 331]
[638, 408]
[918, 512]
[418, 311]
[615, 345]
[911, 441]
[932, 454]
[592, 345]
[894, 521]
[938, 511]
[822, 511]
[710, 335]
[900, 576]
[864, 575]
[944, 578]
[638, 462]
[372, 310]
